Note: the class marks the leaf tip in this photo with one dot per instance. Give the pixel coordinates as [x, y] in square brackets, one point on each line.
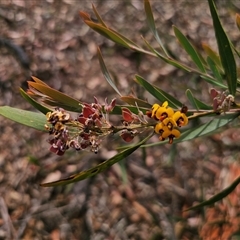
[238, 20]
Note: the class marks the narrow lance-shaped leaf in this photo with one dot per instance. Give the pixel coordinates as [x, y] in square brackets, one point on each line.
[130, 43]
[133, 101]
[199, 105]
[213, 55]
[189, 49]
[207, 128]
[238, 20]
[225, 50]
[158, 93]
[99, 168]
[37, 80]
[151, 24]
[224, 193]
[202, 130]
[71, 104]
[167, 59]
[202, 105]
[213, 81]
[109, 33]
[106, 74]
[34, 103]
[191, 99]
[214, 70]
[106, 32]
[98, 16]
[235, 50]
[27, 118]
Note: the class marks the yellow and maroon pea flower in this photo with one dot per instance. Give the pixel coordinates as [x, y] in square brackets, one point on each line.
[174, 134]
[170, 123]
[166, 132]
[169, 120]
[164, 112]
[152, 112]
[180, 118]
[155, 107]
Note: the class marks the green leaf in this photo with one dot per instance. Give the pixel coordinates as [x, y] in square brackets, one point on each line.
[199, 105]
[235, 50]
[112, 35]
[34, 103]
[27, 118]
[151, 24]
[106, 32]
[214, 69]
[56, 98]
[207, 128]
[225, 192]
[238, 21]
[202, 130]
[202, 106]
[106, 74]
[97, 169]
[191, 99]
[189, 49]
[98, 16]
[225, 50]
[213, 55]
[167, 59]
[213, 81]
[159, 94]
[133, 101]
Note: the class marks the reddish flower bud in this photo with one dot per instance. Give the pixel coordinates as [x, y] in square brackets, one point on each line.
[87, 111]
[126, 136]
[127, 115]
[109, 107]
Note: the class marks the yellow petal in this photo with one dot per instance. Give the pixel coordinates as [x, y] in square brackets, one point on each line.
[163, 113]
[165, 104]
[180, 118]
[158, 127]
[155, 107]
[175, 133]
[168, 121]
[185, 118]
[170, 112]
[166, 132]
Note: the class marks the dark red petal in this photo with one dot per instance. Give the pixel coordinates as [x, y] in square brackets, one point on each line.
[127, 115]
[127, 136]
[82, 120]
[87, 111]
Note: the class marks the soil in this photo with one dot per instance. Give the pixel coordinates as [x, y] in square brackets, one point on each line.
[144, 196]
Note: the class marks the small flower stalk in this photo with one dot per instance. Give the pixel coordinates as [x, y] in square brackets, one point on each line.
[169, 121]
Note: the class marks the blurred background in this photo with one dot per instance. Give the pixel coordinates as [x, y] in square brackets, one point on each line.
[142, 197]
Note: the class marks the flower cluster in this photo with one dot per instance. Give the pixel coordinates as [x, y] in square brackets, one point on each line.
[221, 101]
[86, 131]
[169, 120]
[132, 123]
